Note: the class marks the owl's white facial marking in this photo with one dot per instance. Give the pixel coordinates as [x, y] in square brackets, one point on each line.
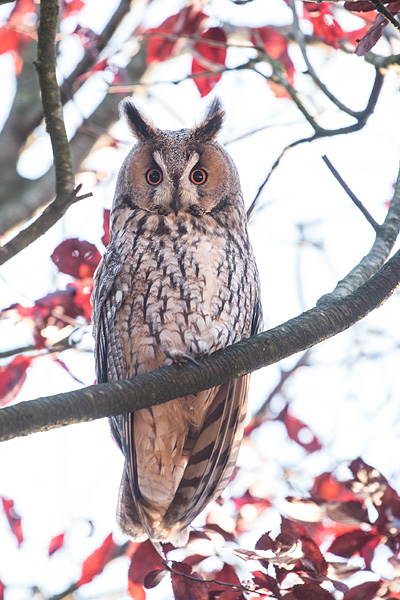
[188, 192]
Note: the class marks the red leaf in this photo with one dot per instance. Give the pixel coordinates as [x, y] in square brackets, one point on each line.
[56, 543]
[12, 377]
[83, 291]
[351, 543]
[227, 575]
[327, 487]
[311, 591]
[2, 588]
[185, 23]
[363, 5]
[69, 8]
[275, 44]
[294, 426]
[262, 580]
[365, 591]
[208, 58]
[95, 563]
[324, 25]
[144, 559]
[310, 549]
[106, 226]
[9, 40]
[77, 258]
[136, 591]
[14, 519]
[12, 36]
[185, 587]
[153, 578]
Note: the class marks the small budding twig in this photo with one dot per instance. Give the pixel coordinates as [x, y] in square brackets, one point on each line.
[351, 194]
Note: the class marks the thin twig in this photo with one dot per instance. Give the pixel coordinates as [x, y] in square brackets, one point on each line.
[47, 219]
[362, 118]
[232, 586]
[351, 194]
[381, 8]
[300, 39]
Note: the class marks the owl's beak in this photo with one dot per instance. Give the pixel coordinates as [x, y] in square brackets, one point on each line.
[176, 204]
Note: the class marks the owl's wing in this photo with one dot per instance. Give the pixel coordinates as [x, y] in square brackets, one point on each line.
[213, 457]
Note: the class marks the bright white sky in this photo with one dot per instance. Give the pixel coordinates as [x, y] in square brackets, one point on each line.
[60, 479]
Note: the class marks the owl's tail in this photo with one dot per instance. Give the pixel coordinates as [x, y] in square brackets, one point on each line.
[207, 472]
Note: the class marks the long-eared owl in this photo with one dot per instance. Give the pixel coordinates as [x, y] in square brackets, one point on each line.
[178, 281]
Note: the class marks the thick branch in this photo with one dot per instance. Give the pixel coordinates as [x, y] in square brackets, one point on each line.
[51, 100]
[175, 381]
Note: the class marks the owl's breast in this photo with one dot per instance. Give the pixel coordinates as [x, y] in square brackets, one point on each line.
[180, 294]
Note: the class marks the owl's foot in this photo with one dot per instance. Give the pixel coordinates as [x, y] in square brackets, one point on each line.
[179, 357]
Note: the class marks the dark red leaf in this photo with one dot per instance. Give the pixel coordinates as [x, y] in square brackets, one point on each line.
[365, 591]
[294, 428]
[275, 44]
[311, 552]
[153, 578]
[263, 580]
[208, 58]
[106, 226]
[184, 587]
[363, 5]
[56, 543]
[227, 535]
[95, 563]
[77, 258]
[2, 588]
[12, 377]
[144, 559]
[83, 291]
[13, 518]
[351, 543]
[185, 23]
[226, 575]
[311, 591]
[265, 543]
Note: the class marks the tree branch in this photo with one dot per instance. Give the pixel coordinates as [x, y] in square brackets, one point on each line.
[175, 381]
[381, 248]
[51, 100]
[351, 194]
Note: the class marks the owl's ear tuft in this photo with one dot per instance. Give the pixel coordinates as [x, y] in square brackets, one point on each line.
[140, 127]
[211, 126]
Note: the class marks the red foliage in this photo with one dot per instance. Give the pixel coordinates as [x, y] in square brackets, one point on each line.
[13, 35]
[12, 377]
[106, 226]
[323, 22]
[226, 575]
[145, 559]
[2, 588]
[83, 291]
[13, 518]
[207, 57]
[365, 591]
[352, 542]
[294, 427]
[56, 543]
[95, 563]
[311, 591]
[185, 587]
[375, 32]
[275, 44]
[185, 23]
[78, 258]
[68, 8]
[327, 487]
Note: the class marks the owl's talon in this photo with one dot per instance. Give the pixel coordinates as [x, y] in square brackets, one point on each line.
[179, 357]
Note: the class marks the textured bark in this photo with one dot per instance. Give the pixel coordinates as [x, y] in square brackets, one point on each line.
[175, 381]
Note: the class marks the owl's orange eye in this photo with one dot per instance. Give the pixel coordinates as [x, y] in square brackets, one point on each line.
[154, 176]
[198, 176]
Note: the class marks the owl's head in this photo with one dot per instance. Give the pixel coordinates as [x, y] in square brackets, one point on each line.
[183, 173]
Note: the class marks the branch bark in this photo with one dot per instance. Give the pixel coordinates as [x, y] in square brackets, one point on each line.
[174, 381]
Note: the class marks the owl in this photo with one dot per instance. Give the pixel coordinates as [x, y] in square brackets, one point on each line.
[178, 281]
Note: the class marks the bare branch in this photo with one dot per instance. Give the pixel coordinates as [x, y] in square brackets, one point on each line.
[372, 262]
[51, 100]
[320, 132]
[351, 194]
[381, 8]
[47, 219]
[175, 381]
